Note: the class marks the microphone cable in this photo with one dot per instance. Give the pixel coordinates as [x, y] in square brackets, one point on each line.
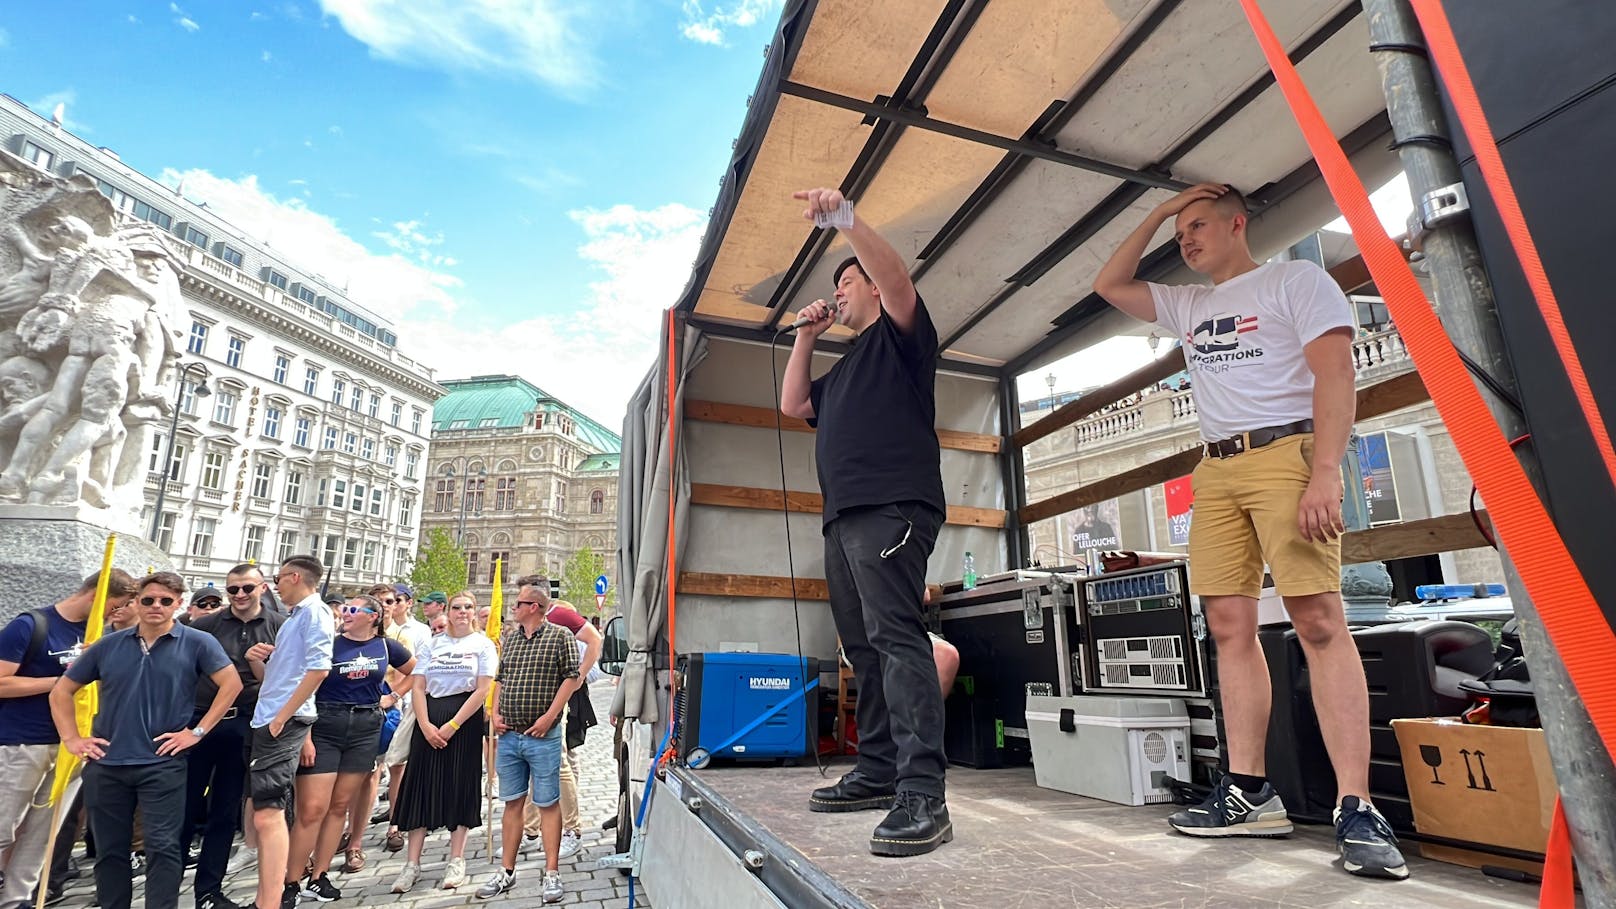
[791, 562]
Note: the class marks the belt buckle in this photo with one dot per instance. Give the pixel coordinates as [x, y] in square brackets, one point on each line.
[229, 714]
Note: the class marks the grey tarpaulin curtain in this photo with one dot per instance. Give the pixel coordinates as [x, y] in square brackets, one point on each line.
[648, 477]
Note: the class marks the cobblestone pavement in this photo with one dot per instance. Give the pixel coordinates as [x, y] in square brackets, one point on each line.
[587, 888]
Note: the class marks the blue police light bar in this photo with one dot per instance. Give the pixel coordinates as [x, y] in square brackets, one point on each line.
[1457, 591]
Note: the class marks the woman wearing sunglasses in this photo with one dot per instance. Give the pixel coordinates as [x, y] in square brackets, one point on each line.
[442, 786]
[341, 749]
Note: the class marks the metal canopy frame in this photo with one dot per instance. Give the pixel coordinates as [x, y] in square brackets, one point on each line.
[892, 115]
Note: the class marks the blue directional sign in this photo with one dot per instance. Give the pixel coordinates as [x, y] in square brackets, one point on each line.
[600, 586]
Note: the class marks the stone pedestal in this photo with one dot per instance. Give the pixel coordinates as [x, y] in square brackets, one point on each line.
[46, 551]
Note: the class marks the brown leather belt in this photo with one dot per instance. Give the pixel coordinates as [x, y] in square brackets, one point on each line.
[1257, 438]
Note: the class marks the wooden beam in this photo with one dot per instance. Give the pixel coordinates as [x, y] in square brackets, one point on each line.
[1376, 400]
[751, 585]
[1349, 275]
[764, 417]
[813, 503]
[1430, 536]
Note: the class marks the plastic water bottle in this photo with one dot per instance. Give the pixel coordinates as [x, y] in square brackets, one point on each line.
[970, 572]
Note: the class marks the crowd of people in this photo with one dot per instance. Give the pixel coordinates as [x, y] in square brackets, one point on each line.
[266, 725]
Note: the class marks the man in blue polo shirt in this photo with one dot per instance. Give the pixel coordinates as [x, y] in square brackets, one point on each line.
[35, 649]
[134, 756]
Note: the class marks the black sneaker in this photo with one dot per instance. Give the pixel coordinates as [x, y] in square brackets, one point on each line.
[290, 896]
[853, 792]
[217, 901]
[917, 824]
[1231, 812]
[137, 864]
[320, 890]
[1368, 846]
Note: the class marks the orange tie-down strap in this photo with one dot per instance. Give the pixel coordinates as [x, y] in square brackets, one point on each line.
[1573, 620]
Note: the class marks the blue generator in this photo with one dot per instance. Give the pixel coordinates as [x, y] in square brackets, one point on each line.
[725, 693]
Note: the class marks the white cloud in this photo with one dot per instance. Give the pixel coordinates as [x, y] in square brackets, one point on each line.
[538, 39]
[266, 56]
[409, 239]
[182, 20]
[709, 28]
[133, 19]
[334, 130]
[5, 37]
[256, 16]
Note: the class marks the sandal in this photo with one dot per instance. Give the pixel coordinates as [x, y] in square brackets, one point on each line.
[395, 840]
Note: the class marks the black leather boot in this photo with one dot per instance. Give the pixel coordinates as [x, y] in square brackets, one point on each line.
[851, 793]
[917, 824]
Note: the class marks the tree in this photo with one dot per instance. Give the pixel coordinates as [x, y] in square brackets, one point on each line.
[439, 564]
[578, 580]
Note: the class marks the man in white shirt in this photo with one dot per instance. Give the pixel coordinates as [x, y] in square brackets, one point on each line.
[1268, 349]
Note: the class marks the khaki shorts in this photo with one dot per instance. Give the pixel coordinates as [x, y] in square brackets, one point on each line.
[1245, 515]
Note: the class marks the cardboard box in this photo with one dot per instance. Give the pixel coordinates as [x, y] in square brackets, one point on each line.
[1484, 784]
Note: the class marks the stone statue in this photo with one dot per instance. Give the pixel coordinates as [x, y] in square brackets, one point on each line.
[88, 311]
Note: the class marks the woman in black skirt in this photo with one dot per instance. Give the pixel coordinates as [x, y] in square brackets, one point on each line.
[443, 785]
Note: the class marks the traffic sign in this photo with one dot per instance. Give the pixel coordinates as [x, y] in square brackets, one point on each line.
[600, 586]
[600, 601]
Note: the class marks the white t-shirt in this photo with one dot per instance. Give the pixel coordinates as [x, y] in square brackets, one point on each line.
[453, 665]
[415, 636]
[1243, 342]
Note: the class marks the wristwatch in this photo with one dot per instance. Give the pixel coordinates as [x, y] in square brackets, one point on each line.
[200, 730]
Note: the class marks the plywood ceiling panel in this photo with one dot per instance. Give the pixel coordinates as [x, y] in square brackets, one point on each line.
[861, 48]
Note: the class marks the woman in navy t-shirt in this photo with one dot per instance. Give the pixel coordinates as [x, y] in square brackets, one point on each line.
[340, 753]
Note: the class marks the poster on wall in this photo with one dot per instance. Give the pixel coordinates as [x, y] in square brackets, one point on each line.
[1180, 497]
[1095, 526]
[1379, 485]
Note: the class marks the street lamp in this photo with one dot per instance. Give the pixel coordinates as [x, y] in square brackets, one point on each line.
[1050, 381]
[465, 494]
[201, 391]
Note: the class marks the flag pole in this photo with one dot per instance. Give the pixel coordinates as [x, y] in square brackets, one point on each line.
[84, 708]
[496, 604]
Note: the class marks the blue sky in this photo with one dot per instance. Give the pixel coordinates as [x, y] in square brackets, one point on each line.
[520, 184]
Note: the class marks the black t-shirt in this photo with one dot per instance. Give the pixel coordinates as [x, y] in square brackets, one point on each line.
[875, 412]
[237, 637]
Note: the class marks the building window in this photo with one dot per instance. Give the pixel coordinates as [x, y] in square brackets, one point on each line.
[459, 424]
[224, 407]
[597, 501]
[283, 549]
[199, 338]
[146, 213]
[252, 550]
[339, 493]
[398, 412]
[176, 464]
[202, 537]
[498, 558]
[357, 500]
[488, 422]
[415, 421]
[212, 469]
[538, 420]
[37, 156]
[330, 550]
[357, 400]
[474, 491]
[391, 458]
[188, 398]
[319, 498]
[349, 442]
[406, 512]
[375, 405]
[560, 499]
[311, 381]
[165, 530]
[330, 438]
[300, 436]
[276, 279]
[231, 255]
[294, 487]
[412, 460]
[338, 387]
[471, 567]
[369, 561]
[232, 354]
[307, 295]
[376, 503]
[505, 494]
[282, 364]
[196, 237]
[272, 422]
[443, 500]
[263, 475]
[367, 449]
[401, 562]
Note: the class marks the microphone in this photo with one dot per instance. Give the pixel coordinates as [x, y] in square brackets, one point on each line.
[804, 320]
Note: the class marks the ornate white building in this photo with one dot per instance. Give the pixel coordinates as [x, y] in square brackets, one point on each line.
[313, 433]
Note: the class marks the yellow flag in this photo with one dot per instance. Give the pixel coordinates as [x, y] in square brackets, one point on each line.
[86, 702]
[496, 619]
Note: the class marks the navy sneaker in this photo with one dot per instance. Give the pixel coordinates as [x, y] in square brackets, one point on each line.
[1230, 812]
[1368, 846]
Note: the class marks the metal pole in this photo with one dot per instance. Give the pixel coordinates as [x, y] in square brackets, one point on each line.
[168, 455]
[1582, 766]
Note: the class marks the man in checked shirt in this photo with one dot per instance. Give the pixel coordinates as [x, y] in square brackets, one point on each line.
[538, 671]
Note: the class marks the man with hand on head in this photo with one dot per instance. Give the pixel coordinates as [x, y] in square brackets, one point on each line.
[1269, 351]
[134, 754]
[879, 470]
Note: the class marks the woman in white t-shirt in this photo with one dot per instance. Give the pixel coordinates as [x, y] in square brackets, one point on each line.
[452, 676]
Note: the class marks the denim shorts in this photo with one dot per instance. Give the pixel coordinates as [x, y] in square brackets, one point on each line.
[530, 766]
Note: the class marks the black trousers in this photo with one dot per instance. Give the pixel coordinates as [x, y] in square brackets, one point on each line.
[111, 795]
[876, 601]
[215, 779]
[66, 838]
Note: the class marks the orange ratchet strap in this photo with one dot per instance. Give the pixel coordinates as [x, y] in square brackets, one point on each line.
[1573, 620]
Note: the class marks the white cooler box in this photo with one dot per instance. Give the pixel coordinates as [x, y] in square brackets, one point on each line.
[1118, 749]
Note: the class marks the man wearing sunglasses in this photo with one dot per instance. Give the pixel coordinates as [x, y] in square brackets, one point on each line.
[133, 756]
[217, 776]
[294, 667]
[203, 602]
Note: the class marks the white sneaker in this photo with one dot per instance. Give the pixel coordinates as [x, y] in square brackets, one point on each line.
[552, 891]
[455, 874]
[569, 845]
[406, 878]
[245, 858]
[531, 844]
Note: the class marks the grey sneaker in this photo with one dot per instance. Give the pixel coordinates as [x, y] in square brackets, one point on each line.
[407, 878]
[498, 882]
[1368, 846]
[569, 845]
[532, 843]
[455, 875]
[1231, 812]
[552, 891]
[245, 858]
